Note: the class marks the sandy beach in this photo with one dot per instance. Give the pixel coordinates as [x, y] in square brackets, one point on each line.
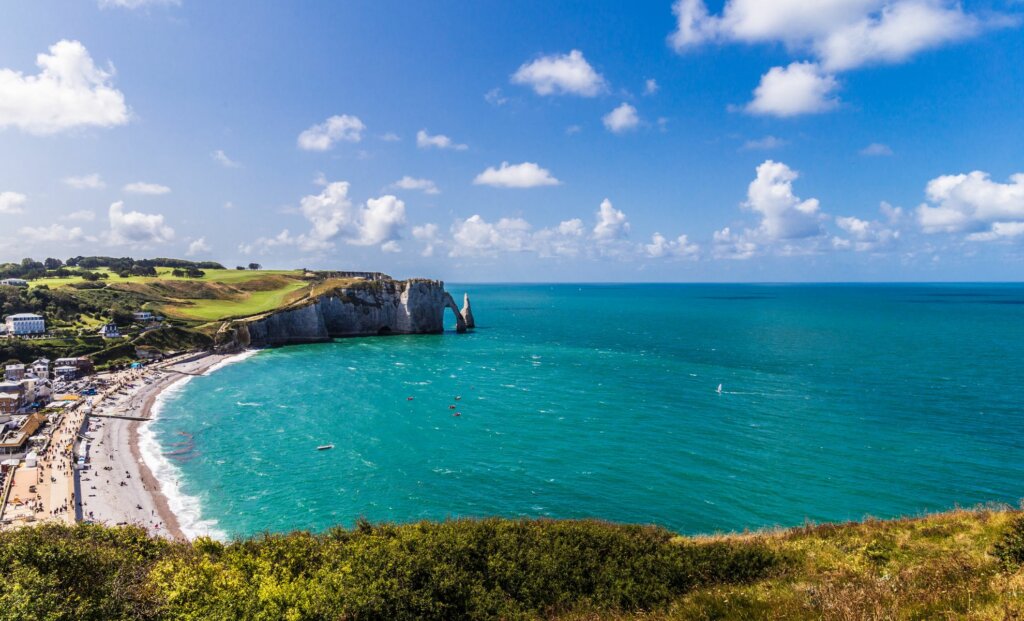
[119, 487]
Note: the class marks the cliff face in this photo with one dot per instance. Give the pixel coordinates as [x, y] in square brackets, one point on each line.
[365, 309]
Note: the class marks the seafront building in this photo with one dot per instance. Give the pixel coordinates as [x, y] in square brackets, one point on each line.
[14, 372]
[25, 323]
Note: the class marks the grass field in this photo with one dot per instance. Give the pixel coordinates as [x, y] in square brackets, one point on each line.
[219, 294]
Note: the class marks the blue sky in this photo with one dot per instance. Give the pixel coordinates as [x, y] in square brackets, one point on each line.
[748, 140]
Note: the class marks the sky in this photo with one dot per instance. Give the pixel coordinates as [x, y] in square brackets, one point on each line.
[528, 141]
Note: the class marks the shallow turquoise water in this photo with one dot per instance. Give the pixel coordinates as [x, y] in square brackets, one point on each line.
[600, 401]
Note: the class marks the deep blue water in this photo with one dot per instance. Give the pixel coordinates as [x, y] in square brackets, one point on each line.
[600, 401]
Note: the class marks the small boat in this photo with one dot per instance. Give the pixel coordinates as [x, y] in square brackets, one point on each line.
[325, 447]
[719, 389]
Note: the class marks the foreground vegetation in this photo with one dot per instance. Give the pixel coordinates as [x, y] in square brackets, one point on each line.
[962, 564]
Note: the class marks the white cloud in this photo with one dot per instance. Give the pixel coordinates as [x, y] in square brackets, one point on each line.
[784, 216]
[842, 34]
[800, 88]
[565, 74]
[11, 202]
[728, 244]
[495, 97]
[764, 144]
[85, 182]
[572, 130]
[141, 187]
[973, 203]
[999, 231]
[135, 4]
[409, 183]
[868, 235]
[525, 175]
[681, 247]
[876, 149]
[440, 141]
[650, 86]
[136, 228]
[334, 216]
[621, 119]
[611, 223]
[83, 215]
[391, 137]
[475, 236]
[51, 233]
[69, 91]
[336, 128]
[222, 158]
[197, 247]
[429, 235]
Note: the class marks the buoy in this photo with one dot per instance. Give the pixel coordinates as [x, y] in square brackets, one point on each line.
[458, 397]
[457, 414]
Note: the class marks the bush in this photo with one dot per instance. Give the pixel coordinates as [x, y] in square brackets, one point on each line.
[464, 569]
[1010, 547]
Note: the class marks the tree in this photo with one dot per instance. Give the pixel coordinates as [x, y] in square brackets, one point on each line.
[255, 266]
[52, 264]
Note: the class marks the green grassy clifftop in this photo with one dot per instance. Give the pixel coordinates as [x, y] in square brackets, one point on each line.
[961, 564]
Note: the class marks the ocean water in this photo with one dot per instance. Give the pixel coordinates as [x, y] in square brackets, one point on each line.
[577, 401]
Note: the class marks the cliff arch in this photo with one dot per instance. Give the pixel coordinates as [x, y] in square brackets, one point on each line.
[460, 322]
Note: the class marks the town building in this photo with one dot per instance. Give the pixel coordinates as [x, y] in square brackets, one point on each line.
[12, 397]
[14, 372]
[13, 442]
[110, 331]
[41, 368]
[14, 282]
[25, 323]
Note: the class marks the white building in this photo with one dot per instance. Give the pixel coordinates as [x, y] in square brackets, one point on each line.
[14, 282]
[25, 323]
[110, 331]
[41, 368]
[143, 316]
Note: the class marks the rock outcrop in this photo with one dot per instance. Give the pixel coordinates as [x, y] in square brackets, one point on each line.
[358, 309]
[467, 312]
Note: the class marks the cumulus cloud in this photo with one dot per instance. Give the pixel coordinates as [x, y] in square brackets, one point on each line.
[222, 158]
[611, 223]
[650, 86]
[975, 204]
[141, 187]
[410, 183]
[561, 74]
[11, 202]
[876, 149]
[621, 119]
[680, 247]
[729, 244]
[429, 236]
[85, 182]
[334, 217]
[525, 175]
[784, 216]
[69, 92]
[868, 235]
[999, 231]
[474, 236]
[800, 88]
[197, 247]
[136, 228]
[51, 233]
[439, 141]
[842, 34]
[337, 128]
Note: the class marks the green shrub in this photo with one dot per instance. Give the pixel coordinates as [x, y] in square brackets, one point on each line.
[1010, 547]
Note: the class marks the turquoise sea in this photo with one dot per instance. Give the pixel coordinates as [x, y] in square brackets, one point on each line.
[837, 402]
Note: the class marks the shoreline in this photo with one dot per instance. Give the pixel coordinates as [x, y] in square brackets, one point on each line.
[138, 496]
